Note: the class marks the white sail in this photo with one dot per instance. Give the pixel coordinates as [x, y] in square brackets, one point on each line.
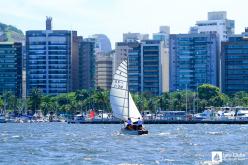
[133, 110]
[119, 96]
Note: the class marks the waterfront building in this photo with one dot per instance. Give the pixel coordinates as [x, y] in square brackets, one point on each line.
[104, 70]
[234, 59]
[134, 68]
[146, 65]
[194, 60]
[24, 82]
[152, 53]
[49, 53]
[163, 35]
[75, 62]
[121, 53]
[134, 37]
[11, 68]
[217, 23]
[130, 40]
[103, 44]
[86, 64]
[165, 63]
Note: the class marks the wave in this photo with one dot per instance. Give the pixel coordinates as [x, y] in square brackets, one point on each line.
[215, 133]
[164, 134]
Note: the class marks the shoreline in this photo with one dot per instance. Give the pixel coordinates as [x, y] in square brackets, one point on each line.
[167, 122]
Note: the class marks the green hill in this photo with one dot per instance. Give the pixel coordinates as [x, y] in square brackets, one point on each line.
[10, 33]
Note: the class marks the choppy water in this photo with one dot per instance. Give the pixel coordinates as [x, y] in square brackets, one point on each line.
[61, 143]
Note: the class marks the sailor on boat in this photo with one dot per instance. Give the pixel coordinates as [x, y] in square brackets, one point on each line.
[129, 124]
[139, 124]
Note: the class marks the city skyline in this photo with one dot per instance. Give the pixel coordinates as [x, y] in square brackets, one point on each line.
[119, 17]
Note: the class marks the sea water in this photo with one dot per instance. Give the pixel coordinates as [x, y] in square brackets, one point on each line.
[62, 143]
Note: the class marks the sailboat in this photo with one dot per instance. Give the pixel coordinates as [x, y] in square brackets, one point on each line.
[123, 106]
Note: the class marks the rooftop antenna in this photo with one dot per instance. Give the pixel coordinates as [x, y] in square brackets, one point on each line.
[48, 23]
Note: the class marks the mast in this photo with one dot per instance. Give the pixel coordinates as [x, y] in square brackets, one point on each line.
[186, 100]
[127, 92]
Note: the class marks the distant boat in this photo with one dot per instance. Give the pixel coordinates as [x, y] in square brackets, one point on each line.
[123, 106]
[242, 115]
[205, 115]
[77, 119]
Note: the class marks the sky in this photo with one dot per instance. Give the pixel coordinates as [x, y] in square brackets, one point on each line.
[115, 17]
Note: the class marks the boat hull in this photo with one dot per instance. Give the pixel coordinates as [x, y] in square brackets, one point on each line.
[2, 121]
[133, 132]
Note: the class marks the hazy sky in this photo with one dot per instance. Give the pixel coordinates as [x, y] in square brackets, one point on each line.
[114, 17]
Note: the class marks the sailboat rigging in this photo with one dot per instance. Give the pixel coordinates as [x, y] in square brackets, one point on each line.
[123, 106]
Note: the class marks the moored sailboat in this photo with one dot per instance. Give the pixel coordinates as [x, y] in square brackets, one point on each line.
[123, 106]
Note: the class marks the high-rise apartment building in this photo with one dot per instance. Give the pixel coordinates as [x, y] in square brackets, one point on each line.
[194, 60]
[151, 66]
[49, 59]
[104, 70]
[86, 64]
[234, 59]
[11, 68]
[103, 44]
[145, 65]
[134, 68]
[217, 23]
[134, 37]
[163, 35]
[121, 53]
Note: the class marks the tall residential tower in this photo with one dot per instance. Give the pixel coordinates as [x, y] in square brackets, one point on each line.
[11, 68]
[193, 60]
[234, 59]
[49, 53]
[217, 23]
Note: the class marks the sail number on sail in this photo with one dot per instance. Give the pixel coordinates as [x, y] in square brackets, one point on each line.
[118, 84]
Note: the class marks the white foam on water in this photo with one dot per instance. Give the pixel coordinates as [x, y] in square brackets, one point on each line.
[169, 160]
[130, 164]
[207, 163]
[4, 134]
[116, 133]
[193, 144]
[15, 136]
[164, 133]
[87, 158]
[215, 133]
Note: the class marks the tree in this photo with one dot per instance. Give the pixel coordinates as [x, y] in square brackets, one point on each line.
[82, 94]
[54, 106]
[207, 91]
[35, 99]
[153, 104]
[239, 99]
[211, 96]
[21, 106]
[219, 100]
[177, 100]
[101, 99]
[1, 105]
[45, 107]
[140, 102]
[165, 101]
[9, 101]
[45, 104]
